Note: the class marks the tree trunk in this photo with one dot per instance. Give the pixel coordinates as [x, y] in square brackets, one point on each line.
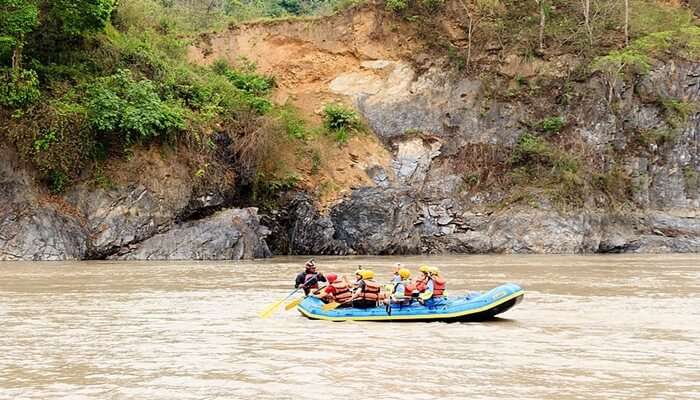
[587, 19]
[627, 22]
[17, 58]
[542, 23]
[469, 41]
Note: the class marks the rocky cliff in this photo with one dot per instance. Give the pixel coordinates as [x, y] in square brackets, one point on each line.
[136, 220]
[443, 177]
[434, 121]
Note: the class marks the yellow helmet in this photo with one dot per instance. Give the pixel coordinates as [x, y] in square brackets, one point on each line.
[359, 272]
[404, 273]
[424, 268]
[434, 271]
[367, 274]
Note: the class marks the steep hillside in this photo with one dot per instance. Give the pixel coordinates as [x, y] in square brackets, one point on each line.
[568, 149]
[484, 126]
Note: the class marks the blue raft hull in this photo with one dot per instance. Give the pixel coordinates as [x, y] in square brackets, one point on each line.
[474, 307]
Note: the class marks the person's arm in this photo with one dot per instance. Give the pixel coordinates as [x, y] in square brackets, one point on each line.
[325, 292]
[321, 278]
[399, 290]
[299, 280]
[360, 288]
[428, 293]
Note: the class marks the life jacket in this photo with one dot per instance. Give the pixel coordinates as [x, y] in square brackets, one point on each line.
[342, 291]
[308, 277]
[438, 286]
[371, 292]
[422, 284]
[408, 288]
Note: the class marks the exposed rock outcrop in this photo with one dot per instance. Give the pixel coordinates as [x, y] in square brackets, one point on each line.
[128, 222]
[31, 227]
[227, 235]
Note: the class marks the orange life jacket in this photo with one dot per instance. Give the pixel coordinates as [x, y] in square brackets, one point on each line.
[422, 284]
[407, 289]
[371, 292]
[438, 286]
[342, 291]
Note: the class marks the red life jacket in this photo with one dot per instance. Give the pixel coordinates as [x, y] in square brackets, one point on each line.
[307, 278]
[342, 291]
[407, 289]
[371, 292]
[422, 284]
[438, 286]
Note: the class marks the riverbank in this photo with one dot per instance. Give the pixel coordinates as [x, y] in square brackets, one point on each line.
[372, 141]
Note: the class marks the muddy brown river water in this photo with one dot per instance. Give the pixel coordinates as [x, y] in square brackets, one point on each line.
[590, 327]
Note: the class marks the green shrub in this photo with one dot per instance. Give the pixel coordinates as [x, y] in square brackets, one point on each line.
[338, 117]
[692, 179]
[18, 88]
[658, 137]
[552, 125]
[531, 149]
[57, 181]
[293, 124]
[132, 109]
[253, 88]
[676, 111]
[396, 5]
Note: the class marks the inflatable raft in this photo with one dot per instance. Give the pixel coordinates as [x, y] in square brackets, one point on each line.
[473, 307]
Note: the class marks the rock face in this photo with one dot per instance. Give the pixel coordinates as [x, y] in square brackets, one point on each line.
[425, 118]
[374, 221]
[127, 222]
[228, 235]
[417, 204]
[32, 228]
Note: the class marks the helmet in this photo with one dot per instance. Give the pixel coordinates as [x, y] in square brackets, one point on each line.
[310, 264]
[367, 274]
[434, 271]
[359, 272]
[331, 278]
[424, 268]
[404, 273]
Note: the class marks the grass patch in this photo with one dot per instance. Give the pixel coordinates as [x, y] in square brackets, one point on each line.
[341, 121]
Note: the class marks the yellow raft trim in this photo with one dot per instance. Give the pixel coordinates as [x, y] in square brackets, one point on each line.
[419, 316]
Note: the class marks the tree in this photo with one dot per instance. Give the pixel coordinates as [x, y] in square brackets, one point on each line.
[473, 19]
[586, 6]
[543, 13]
[77, 17]
[627, 22]
[17, 18]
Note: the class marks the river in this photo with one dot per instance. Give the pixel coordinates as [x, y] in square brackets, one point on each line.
[590, 327]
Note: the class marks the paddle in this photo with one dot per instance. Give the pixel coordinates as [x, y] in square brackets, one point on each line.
[298, 301]
[273, 307]
[333, 305]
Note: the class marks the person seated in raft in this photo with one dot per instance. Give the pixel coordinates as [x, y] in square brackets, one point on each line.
[397, 277]
[309, 278]
[435, 289]
[402, 292]
[422, 281]
[367, 291]
[338, 290]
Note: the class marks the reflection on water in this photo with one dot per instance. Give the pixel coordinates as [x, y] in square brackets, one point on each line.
[598, 327]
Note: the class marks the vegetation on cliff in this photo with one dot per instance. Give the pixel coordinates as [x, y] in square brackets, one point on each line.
[86, 81]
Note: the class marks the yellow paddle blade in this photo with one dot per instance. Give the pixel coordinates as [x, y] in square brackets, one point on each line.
[271, 309]
[293, 304]
[330, 306]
